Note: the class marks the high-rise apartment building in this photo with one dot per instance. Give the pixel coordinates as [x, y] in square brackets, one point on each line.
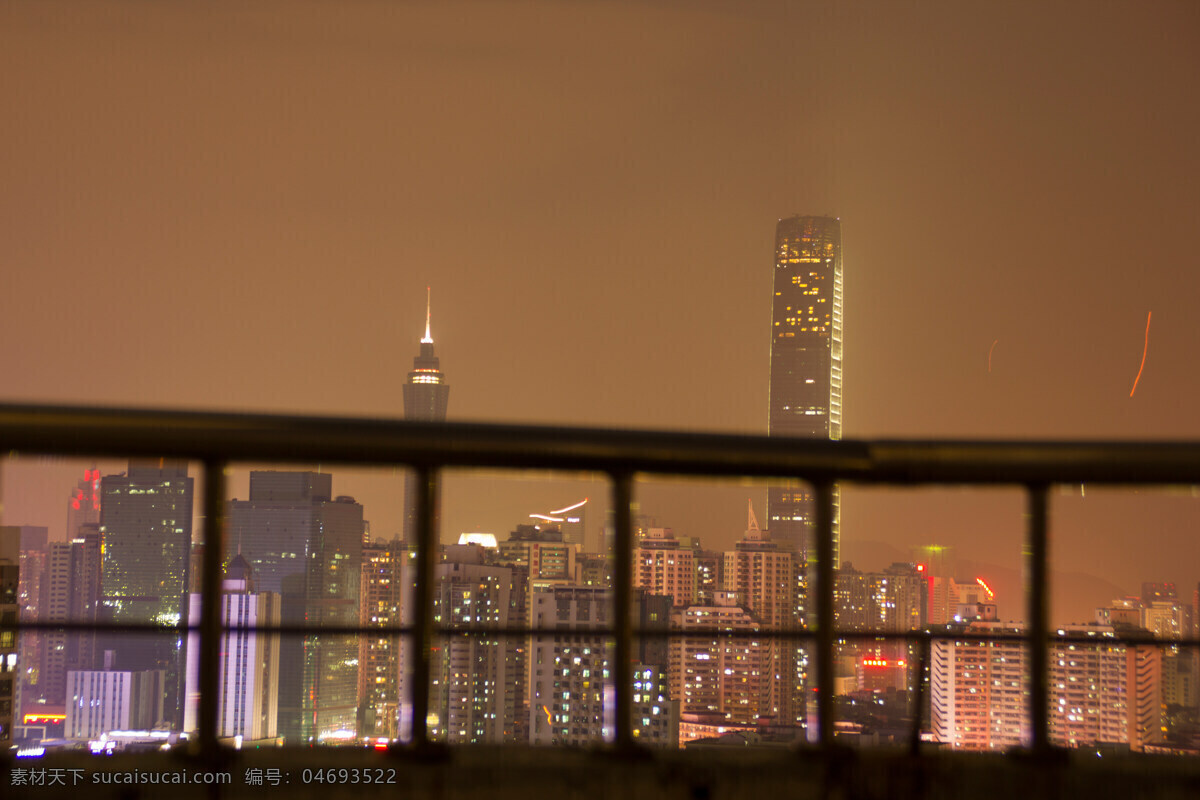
[724, 679]
[762, 576]
[1100, 692]
[893, 600]
[1089, 689]
[472, 699]
[146, 543]
[760, 572]
[978, 694]
[806, 360]
[663, 566]
[383, 592]
[547, 560]
[71, 593]
[571, 699]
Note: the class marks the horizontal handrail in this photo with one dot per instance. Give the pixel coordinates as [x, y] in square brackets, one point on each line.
[229, 437]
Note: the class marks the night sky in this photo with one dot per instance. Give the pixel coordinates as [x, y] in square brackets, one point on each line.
[213, 207]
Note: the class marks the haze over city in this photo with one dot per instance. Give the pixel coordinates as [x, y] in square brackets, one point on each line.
[241, 209]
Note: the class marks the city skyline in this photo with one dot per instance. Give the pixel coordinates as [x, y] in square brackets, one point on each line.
[477, 695]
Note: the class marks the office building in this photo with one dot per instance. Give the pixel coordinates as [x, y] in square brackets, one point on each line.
[146, 543]
[329, 690]
[83, 506]
[806, 361]
[307, 546]
[101, 701]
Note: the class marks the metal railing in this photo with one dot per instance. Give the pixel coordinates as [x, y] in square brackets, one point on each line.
[217, 440]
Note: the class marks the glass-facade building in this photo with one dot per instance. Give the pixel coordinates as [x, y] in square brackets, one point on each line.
[806, 361]
[307, 546]
[145, 541]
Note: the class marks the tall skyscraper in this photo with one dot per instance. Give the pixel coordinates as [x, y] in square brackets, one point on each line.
[426, 396]
[806, 361]
[308, 548]
[426, 392]
[146, 542]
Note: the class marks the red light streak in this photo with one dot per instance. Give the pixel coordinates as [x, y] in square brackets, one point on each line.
[990, 349]
[1145, 347]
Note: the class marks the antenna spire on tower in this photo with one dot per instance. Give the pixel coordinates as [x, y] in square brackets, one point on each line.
[753, 521]
[428, 338]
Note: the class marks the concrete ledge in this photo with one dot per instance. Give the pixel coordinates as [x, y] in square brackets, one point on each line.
[537, 774]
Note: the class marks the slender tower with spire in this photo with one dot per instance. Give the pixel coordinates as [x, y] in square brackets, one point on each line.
[426, 393]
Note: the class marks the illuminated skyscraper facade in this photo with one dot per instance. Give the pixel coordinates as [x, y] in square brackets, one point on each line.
[146, 541]
[806, 360]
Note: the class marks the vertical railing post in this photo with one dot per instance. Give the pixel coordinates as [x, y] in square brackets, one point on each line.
[423, 595]
[924, 654]
[1037, 564]
[210, 608]
[622, 673]
[824, 590]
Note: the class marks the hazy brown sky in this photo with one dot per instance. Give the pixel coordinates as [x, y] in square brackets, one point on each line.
[209, 206]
